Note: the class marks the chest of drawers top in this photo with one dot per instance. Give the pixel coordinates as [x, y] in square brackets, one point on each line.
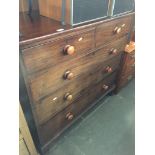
[37, 30]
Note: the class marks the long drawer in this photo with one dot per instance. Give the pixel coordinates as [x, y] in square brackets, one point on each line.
[48, 81]
[66, 95]
[53, 127]
[112, 30]
[43, 56]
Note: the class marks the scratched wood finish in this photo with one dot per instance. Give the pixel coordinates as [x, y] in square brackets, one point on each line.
[57, 123]
[105, 32]
[51, 54]
[47, 81]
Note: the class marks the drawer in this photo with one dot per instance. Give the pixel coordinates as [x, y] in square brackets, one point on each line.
[55, 125]
[47, 81]
[66, 95]
[41, 57]
[112, 30]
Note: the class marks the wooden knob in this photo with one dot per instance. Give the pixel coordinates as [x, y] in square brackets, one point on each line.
[69, 116]
[68, 97]
[105, 87]
[114, 51]
[117, 30]
[68, 49]
[68, 75]
[108, 69]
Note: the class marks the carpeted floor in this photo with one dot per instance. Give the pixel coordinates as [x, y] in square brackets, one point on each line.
[107, 129]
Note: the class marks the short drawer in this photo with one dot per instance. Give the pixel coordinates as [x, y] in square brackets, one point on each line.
[48, 81]
[112, 30]
[43, 56]
[66, 95]
[55, 125]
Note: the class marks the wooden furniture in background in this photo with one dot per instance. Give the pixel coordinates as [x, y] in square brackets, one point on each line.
[26, 145]
[68, 69]
[79, 11]
[24, 5]
[127, 71]
[53, 9]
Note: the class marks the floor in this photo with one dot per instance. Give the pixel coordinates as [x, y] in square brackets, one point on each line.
[108, 129]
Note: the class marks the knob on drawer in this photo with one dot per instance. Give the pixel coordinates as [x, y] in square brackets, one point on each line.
[108, 69]
[68, 49]
[117, 30]
[68, 97]
[114, 51]
[68, 75]
[69, 116]
[105, 87]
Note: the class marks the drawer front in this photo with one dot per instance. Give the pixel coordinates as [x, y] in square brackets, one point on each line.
[112, 30]
[51, 54]
[82, 43]
[52, 79]
[62, 119]
[66, 95]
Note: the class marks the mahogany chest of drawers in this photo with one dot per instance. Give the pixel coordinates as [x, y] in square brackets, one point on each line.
[66, 72]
